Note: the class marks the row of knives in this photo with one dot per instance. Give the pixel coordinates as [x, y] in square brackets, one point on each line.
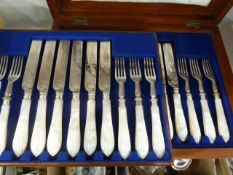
[168, 63]
[54, 137]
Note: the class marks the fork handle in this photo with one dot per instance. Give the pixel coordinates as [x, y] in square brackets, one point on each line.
[20, 139]
[158, 142]
[194, 127]
[208, 123]
[4, 123]
[54, 140]
[124, 143]
[74, 138]
[90, 135]
[181, 126]
[141, 137]
[38, 138]
[107, 135]
[221, 119]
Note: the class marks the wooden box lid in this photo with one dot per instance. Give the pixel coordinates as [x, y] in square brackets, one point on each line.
[136, 16]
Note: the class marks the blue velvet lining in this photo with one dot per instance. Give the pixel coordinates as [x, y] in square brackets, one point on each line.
[199, 46]
[123, 44]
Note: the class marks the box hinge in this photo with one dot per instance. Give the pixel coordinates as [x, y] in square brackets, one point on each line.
[193, 24]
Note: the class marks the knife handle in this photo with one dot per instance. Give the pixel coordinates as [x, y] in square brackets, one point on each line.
[4, 123]
[208, 123]
[90, 135]
[221, 119]
[20, 139]
[74, 138]
[141, 137]
[181, 126]
[169, 117]
[107, 135]
[39, 130]
[124, 143]
[54, 140]
[195, 130]
[158, 142]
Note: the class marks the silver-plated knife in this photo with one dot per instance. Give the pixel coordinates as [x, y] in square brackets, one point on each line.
[90, 135]
[38, 138]
[20, 139]
[180, 122]
[74, 138]
[160, 51]
[54, 140]
[107, 135]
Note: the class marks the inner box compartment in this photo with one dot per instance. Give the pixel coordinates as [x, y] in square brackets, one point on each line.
[198, 46]
[140, 45]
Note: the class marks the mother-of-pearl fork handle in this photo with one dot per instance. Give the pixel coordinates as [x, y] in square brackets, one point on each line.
[20, 139]
[194, 127]
[158, 142]
[141, 137]
[54, 140]
[124, 143]
[180, 122]
[38, 139]
[223, 129]
[107, 135]
[74, 138]
[4, 123]
[208, 123]
[90, 135]
[169, 117]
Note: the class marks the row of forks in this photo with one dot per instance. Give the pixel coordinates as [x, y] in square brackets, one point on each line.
[209, 128]
[141, 137]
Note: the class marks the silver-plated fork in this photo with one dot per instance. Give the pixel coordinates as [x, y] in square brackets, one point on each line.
[15, 72]
[209, 128]
[223, 129]
[193, 121]
[3, 67]
[124, 144]
[141, 137]
[158, 142]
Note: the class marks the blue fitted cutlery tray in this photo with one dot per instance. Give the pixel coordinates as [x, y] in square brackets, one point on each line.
[126, 45]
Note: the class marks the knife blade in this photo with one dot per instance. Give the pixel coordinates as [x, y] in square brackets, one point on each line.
[54, 140]
[20, 139]
[90, 135]
[180, 122]
[74, 136]
[38, 138]
[107, 135]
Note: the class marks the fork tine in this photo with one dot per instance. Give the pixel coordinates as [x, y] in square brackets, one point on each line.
[12, 66]
[183, 66]
[16, 66]
[178, 65]
[204, 67]
[130, 67]
[145, 68]
[5, 66]
[191, 66]
[20, 66]
[153, 68]
[124, 67]
[186, 68]
[2, 64]
[115, 67]
[139, 69]
[135, 67]
[150, 67]
[209, 66]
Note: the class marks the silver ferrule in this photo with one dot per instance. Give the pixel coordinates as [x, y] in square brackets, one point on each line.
[59, 95]
[187, 87]
[152, 90]
[6, 100]
[91, 95]
[176, 90]
[27, 95]
[75, 96]
[200, 84]
[121, 90]
[43, 95]
[105, 95]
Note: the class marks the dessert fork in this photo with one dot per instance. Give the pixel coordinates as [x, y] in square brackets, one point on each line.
[3, 67]
[223, 129]
[209, 128]
[124, 144]
[193, 122]
[141, 137]
[158, 142]
[15, 72]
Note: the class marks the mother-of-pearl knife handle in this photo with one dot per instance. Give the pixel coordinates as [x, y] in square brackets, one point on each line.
[90, 135]
[169, 117]
[124, 143]
[180, 122]
[20, 139]
[74, 138]
[107, 135]
[223, 129]
[158, 142]
[208, 123]
[195, 130]
[54, 140]
[38, 139]
[4, 123]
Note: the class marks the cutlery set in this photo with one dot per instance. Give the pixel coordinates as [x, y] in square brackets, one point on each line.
[183, 66]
